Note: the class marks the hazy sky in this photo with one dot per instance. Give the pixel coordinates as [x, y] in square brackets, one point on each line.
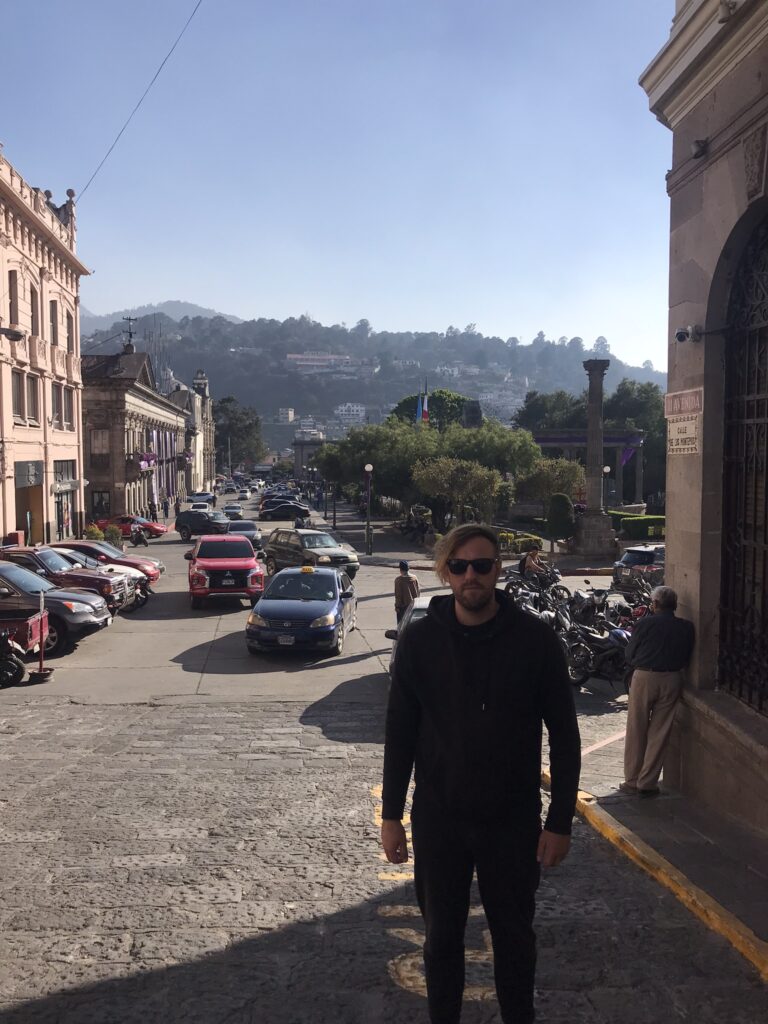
[417, 162]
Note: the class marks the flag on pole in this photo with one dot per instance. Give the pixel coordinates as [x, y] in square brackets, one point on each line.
[425, 405]
[419, 409]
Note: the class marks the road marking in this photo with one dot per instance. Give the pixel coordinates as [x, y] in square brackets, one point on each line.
[604, 743]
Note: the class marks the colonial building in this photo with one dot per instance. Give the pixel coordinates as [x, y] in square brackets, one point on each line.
[710, 87]
[197, 406]
[135, 439]
[41, 477]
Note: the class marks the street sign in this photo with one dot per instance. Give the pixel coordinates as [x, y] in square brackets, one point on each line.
[683, 435]
[679, 403]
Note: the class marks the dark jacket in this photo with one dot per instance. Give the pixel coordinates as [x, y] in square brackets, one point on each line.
[467, 706]
[660, 643]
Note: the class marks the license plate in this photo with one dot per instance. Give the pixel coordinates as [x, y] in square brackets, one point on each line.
[228, 583]
[286, 641]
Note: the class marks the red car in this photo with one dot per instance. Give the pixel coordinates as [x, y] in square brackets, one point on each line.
[44, 561]
[223, 565]
[104, 552]
[125, 522]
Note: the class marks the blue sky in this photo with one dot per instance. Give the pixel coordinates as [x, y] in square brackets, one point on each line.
[417, 162]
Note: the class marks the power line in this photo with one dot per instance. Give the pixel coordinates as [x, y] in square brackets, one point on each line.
[143, 96]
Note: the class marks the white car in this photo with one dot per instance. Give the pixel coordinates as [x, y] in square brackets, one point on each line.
[414, 611]
[243, 494]
[200, 506]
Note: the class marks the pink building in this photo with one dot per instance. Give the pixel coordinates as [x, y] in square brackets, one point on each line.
[41, 479]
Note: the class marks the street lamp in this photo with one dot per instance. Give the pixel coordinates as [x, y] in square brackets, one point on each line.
[606, 471]
[368, 535]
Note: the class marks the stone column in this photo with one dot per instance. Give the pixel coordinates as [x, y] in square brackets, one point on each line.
[619, 476]
[639, 476]
[596, 535]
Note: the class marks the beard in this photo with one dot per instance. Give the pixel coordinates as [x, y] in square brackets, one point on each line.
[474, 598]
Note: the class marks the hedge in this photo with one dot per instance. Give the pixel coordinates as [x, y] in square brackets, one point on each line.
[516, 543]
[644, 527]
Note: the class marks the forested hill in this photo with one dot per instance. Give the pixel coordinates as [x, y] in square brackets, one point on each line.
[248, 360]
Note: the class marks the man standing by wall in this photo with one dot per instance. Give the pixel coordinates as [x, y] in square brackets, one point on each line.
[659, 650]
[472, 683]
[407, 589]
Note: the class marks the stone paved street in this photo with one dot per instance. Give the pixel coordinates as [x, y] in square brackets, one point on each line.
[213, 859]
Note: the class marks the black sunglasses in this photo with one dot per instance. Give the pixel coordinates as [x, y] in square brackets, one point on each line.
[482, 566]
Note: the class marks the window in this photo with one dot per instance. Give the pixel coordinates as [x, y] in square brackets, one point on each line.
[33, 400]
[70, 333]
[57, 404]
[100, 503]
[17, 380]
[53, 327]
[99, 442]
[34, 305]
[13, 296]
[69, 408]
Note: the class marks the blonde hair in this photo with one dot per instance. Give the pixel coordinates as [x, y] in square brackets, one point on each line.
[453, 540]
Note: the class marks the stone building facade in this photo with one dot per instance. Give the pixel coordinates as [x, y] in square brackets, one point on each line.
[135, 439]
[41, 470]
[197, 405]
[709, 85]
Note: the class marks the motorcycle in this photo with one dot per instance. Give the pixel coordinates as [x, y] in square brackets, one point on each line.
[547, 581]
[589, 607]
[138, 537]
[599, 654]
[12, 668]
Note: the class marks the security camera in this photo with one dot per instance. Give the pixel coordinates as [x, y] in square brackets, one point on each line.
[689, 333]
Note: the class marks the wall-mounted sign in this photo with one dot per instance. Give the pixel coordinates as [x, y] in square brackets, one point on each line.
[28, 474]
[683, 435]
[680, 403]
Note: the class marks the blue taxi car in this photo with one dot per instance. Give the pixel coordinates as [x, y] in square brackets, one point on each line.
[306, 608]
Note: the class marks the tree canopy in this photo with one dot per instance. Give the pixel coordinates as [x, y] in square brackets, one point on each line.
[445, 408]
[238, 428]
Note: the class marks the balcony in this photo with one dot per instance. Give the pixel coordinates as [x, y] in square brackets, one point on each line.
[39, 353]
[59, 361]
[74, 375]
[20, 351]
[138, 464]
[184, 459]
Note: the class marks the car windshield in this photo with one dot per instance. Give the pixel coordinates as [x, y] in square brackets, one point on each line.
[301, 587]
[53, 560]
[416, 613]
[27, 581]
[140, 519]
[318, 540]
[78, 559]
[225, 549]
[244, 526]
[218, 516]
[107, 549]
[637, 558]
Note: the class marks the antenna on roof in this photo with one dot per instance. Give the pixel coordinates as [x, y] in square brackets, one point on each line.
[129, 348]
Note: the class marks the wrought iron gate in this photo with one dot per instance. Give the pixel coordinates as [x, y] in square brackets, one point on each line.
[743, 598]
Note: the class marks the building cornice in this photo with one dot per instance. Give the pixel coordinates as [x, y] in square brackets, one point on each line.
[700, 53]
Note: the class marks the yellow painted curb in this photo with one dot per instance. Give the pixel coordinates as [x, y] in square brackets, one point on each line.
[700, 903]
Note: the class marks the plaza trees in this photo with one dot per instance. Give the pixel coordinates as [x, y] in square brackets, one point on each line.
[457, 483]
[549, 477]
[445, 407]
[238, 430]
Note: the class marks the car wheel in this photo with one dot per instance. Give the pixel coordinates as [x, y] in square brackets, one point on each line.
[271, 566]
[56, 641]
[12, 670]
[195, 602]
[338, 647]
[185, 533]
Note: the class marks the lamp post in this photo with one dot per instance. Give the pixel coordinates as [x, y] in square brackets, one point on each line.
[606, 471]
[368, 535]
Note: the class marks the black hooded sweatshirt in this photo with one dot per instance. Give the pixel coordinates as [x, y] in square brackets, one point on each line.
[466, 707]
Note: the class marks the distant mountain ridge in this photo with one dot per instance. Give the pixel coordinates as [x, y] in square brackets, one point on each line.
[175, 309]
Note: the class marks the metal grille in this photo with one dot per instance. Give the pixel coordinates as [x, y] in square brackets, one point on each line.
[217, 577]
[743, 601]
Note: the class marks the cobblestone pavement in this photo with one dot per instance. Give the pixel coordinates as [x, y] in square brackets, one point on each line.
[218, 864]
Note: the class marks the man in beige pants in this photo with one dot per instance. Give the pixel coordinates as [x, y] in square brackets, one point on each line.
[659, 650]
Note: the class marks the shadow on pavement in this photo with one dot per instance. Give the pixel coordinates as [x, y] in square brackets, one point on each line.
[359, 725]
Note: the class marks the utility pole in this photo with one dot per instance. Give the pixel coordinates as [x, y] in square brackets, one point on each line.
[229, 455]
[129, 346]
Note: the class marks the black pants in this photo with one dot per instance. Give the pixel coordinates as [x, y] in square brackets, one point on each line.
[445, 855]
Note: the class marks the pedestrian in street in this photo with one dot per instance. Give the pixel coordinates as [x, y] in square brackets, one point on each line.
[213, 502]
[177, 506]
[166, 508]
[658, 651]
[153, 510]
[472, 683]
[407, 589]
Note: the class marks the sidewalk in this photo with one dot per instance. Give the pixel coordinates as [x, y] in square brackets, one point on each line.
[717, 869]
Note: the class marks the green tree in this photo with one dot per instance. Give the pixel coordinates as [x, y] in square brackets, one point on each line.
[445, 407]
[459, 482]
[546, 412]
[551, 476]
[642, 406]
[493, 445]
[238, 428]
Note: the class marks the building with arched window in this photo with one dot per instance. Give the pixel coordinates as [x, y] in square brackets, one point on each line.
[710, 87]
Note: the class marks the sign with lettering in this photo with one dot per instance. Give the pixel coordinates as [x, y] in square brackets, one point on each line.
[683, 435]
[679, 403]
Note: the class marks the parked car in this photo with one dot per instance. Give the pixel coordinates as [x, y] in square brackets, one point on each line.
[233, 510]
[206, 496]
[106, 554]
[415, 611]
[285, 510]
[200, 506]
[244, 494]
[194, 523]
[223, 566]
[646, 560]
[125, 524]
[71, 613]
[288, 548]
[303, 608]
[52, 566]
[247, 528]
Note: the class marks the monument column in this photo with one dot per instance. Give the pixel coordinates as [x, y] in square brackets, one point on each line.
[639, 476]
[596, 534]
[619, 477]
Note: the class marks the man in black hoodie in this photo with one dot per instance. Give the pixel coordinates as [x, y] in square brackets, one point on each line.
[473, 682]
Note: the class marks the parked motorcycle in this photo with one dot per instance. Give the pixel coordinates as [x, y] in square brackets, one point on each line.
[601, 655]
[12, 668]
[588, 607]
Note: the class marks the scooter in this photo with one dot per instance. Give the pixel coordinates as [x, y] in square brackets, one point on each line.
[12, 668]
[138, 537]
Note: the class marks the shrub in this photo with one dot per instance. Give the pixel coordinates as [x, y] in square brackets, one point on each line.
[93, 532]
[113, 536]
[561, 522]
[515, 543]
[643, 527]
